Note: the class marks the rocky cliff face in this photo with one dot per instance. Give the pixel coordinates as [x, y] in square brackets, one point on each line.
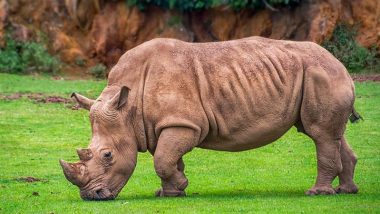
[96, 31]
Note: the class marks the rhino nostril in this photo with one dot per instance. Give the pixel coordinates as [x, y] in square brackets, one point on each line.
[98, 192]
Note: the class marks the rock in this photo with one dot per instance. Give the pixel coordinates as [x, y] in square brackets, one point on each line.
[288, 24]
[24, 11]
[171, 26]
[223, 23]
[254, 24]
[96, 31]
[3, 21]
[119, 28]
[366, 13]
[134, 23]
[311, 20]
[107, 33]
[324, 16]
[67, 47]
[82, 13]
[72, 55]
[21, 33]
[199, 22]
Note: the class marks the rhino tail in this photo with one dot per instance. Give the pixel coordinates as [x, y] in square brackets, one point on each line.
[355, 116]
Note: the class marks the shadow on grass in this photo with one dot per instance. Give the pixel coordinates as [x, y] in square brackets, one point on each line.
[245, 194]
[224, 195]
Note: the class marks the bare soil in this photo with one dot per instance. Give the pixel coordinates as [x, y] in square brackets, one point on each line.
[29, 179]
[366, 77]
[41, 98]
[38, 97]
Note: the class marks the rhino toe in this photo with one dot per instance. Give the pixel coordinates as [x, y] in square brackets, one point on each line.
[169, 193]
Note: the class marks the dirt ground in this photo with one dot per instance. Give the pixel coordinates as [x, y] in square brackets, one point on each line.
[366, 77]
[41, 98]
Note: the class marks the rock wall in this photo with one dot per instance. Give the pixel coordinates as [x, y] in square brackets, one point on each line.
[100, 31]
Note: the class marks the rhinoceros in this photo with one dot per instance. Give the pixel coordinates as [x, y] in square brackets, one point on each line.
[167, 97]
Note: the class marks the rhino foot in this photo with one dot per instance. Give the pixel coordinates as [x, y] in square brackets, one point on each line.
[169, 193]
[347, 189]
[322, 190]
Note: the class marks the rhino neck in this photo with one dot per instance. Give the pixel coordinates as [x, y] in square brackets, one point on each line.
[131, 72]
[132, 114]
[138, 124]
[135, 113]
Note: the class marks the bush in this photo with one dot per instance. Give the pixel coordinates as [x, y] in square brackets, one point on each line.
[345, 48]
[188, 5]
[80, 61]
[26, 57]
[98, 71]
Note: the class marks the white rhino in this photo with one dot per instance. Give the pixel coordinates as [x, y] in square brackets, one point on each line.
[168, 96]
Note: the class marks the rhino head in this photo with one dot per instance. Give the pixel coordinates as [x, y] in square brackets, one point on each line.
[105, 167]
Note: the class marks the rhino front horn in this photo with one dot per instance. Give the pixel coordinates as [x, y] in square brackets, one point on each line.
[71, 173]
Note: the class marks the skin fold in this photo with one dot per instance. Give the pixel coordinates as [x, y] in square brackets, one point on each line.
[168, 97]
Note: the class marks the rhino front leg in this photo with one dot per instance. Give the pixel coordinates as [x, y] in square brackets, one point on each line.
[173, 143]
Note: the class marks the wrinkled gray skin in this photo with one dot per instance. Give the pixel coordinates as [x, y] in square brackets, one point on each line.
[168, 96]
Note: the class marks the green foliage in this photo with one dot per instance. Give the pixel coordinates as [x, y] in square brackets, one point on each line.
[26, 57]
[355, 57]
[98, 71]
[80, 61]
[174, 21]
[188, 5]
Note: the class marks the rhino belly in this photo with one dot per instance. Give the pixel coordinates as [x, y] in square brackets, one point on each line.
[252, 136]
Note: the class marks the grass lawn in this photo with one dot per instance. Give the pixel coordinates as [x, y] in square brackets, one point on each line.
[34, 136]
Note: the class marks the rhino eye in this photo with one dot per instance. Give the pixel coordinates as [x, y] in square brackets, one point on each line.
[107, 154]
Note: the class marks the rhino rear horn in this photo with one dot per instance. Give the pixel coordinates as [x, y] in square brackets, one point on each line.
[84, 154]
[83, 101]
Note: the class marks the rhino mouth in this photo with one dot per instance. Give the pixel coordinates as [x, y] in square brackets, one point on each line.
[99, 194]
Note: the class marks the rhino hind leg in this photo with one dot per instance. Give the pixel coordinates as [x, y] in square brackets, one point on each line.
[346, 183]
[329, 166]
[172, 144]
[325, 108]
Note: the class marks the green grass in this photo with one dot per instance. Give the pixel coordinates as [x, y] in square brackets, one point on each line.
[10, 83]
[34, 136]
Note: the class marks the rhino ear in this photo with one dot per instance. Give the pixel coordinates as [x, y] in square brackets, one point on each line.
[83, 101]
[121, 98]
